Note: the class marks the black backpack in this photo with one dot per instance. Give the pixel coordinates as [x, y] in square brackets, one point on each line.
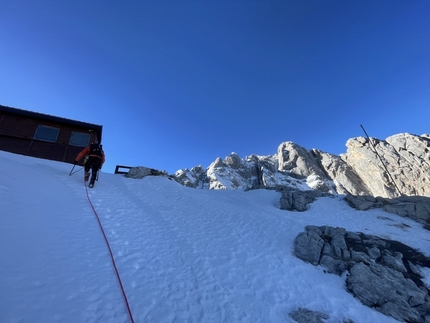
[96, 149]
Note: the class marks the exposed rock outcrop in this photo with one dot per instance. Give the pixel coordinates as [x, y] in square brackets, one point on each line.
[196, 180]
[415, 207]
[296, 200]
[293, 167]
[400, 167]
[141, 172]
[345, 179]
[253, 172]
[382, 274]
[372, 173]
[304, 315]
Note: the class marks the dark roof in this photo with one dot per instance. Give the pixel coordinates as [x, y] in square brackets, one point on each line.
[48, 117]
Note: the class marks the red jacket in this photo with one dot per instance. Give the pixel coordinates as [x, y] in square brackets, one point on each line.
[86, 152]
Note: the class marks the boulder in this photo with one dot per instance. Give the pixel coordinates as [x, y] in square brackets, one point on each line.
[388, 291]
[304, 315]
[382, 274]
[415, 207]
[296, 200]
[141, 171]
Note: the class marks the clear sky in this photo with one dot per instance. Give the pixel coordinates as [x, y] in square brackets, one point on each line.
[179, 83]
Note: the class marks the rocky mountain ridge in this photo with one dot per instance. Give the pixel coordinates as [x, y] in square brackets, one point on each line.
[392, 174]
[396, 166]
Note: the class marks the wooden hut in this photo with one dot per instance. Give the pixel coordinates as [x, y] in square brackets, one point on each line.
[44, 136]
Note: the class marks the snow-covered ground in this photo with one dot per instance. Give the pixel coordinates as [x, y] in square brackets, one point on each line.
[184, 255]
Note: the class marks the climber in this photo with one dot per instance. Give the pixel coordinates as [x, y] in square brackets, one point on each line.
[94, 159]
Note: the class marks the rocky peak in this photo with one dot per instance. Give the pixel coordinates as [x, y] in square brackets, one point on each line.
[399, 165]
[233, 161]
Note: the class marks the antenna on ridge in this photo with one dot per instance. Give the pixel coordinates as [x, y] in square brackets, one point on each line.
[380, 158]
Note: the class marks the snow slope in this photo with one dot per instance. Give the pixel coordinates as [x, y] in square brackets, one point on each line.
[184, 255]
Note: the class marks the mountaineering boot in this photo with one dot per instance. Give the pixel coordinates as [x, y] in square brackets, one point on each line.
[91, 185]
[87, 176]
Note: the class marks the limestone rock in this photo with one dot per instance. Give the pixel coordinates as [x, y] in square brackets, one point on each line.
[296, 200]
[414, 207]
[191, 178]
[304, 315]
[298, 160]
[345, 179]
[382, 274]
[141, 171]
[308, 246]
[400, 164]
[232, 173]
[388, 291]
[233, 161]
[372, 173]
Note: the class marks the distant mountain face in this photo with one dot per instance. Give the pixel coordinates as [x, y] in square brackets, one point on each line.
[399, 165]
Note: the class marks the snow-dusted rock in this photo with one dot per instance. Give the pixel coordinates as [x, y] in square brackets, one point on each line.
[382, 274]
[253, 172]
[141, 171]
[304, 315]
[389, 292]
[402, 167]
[191, 178]
[293, 166]
[298, 200]
[232, 173]
[415, 207]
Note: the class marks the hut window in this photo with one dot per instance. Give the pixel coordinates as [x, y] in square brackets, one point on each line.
[47, 133]
[79, 139]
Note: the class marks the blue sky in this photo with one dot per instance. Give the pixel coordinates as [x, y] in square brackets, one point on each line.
[179, 83]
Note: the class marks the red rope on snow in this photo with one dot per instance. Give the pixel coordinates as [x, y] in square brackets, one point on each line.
[111, 255]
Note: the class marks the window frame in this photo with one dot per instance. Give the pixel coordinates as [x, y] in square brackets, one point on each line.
[79, 134]
[40, 135]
